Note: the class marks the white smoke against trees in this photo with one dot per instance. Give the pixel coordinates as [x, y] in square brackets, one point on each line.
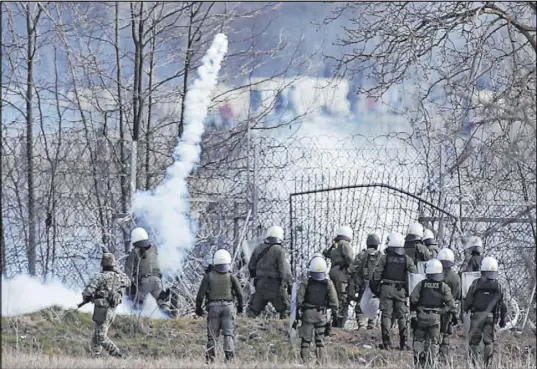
[166, 208]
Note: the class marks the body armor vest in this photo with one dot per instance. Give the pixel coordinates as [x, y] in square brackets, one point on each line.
[220, 287]
[148, 262]
[371, 261]
[431, 294]
[316, 293]
[486, 296]
[395, 268]
[336, 254]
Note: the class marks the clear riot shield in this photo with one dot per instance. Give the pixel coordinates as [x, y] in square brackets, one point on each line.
[369, 304]
[421, 267]
[292, 315]
[413, 280]
[467, 280]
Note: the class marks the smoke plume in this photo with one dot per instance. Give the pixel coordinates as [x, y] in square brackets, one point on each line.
[165, 209]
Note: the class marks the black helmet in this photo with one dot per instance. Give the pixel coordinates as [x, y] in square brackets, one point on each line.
[373, 240]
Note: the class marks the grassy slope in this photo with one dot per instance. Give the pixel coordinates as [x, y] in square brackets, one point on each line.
[53, 332]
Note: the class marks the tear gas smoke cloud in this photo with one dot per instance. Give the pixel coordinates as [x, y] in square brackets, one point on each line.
[165, 209]
[24, 294]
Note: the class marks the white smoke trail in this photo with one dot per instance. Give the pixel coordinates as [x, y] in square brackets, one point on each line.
[165, 209]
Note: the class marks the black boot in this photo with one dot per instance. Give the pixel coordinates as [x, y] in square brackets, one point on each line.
[229, 356]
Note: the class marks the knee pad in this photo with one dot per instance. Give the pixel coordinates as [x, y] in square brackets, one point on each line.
[319, 342]
[418, 346]
[305, 344]
[100, 337]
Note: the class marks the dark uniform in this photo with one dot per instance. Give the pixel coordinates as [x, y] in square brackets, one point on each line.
[341, 257]
[453, 280]
[417, 251]
[390, 283]
[143, 268]
[220, 289]
[485, 301]
[313, 299]
[431, 300]
[272, 279]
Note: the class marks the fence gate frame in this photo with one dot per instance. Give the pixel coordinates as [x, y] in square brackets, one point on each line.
[421, 202]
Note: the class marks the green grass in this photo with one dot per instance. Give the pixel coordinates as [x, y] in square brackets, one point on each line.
[54, 333]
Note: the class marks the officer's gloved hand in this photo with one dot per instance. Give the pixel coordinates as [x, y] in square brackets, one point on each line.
[295, 324]
[503, 323]
[454, 320]
[199, 311]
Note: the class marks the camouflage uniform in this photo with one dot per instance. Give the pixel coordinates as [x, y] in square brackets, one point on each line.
[390, 283]
[417, 251]
[471, 264]
[220, 289]
[143, 268]
[361, 271]
[272, 280]
[430, 299]
[433, 251]
[453, 280]
[104, 290]
[313, 298]
[341, 257]
[485, 301]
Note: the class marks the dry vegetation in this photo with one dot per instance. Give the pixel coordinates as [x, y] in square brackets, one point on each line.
[53, 338]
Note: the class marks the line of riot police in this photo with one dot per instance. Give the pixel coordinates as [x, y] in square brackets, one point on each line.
[371, 274]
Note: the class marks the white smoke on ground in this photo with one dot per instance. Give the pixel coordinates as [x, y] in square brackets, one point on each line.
[24, 295]
[166, 208]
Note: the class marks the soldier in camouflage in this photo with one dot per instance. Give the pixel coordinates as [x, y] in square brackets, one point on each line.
[361, 271]
[142, 266]
[220, 288]
[485, 301]
[315, 295]
[431, 299]
[341, 257]
[452, 279]
[105, 291]
[390, 284]
[272, 275]
[430, 241]
[414, 246]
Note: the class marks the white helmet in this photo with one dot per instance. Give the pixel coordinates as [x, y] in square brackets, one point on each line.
[317, 268]
[428, 234]
[274, 235]
[222, 260]
[140, 238]
[473, 241]
[345, 231]
[396, 243]
[416, 229]
[316, 255]
[489, 267]
[434, 270]
[447, 257]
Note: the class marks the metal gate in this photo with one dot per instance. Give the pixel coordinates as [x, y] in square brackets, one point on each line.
[315, 215]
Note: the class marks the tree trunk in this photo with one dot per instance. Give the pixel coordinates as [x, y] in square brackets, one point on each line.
[31, 245]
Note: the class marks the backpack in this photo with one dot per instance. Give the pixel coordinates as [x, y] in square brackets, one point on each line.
[370, 264]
